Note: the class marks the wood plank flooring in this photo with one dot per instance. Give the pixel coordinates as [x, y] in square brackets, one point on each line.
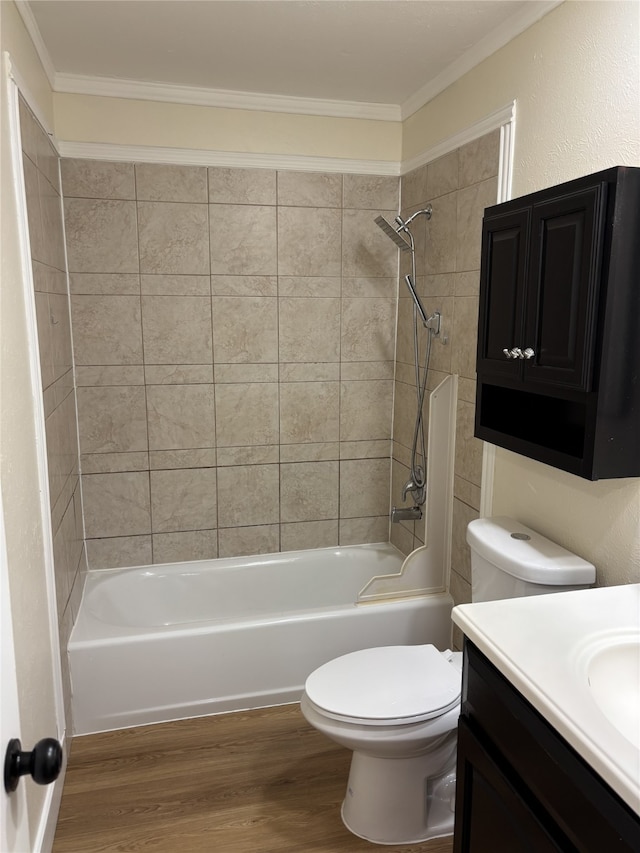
[259, 781]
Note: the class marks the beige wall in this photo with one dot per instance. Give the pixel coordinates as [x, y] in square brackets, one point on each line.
[18, 460]
[234, 334]
[576, 77]
[87, 118]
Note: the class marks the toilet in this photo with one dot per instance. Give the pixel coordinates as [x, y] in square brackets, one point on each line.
[397, 707]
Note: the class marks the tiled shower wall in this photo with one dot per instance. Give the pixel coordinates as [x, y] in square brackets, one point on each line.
[234, 337]
[458, 186]
[46, 238]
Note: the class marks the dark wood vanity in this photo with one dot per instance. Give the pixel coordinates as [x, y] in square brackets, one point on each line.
[521, 788]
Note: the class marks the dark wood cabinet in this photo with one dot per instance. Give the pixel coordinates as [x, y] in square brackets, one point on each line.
[521, 788]
[558, 358]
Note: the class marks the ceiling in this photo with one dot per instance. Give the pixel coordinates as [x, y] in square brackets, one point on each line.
[386, 52]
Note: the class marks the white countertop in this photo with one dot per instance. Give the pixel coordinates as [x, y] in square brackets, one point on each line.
[542, 644]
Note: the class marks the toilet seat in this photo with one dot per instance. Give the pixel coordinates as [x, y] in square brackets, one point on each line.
[390, 685]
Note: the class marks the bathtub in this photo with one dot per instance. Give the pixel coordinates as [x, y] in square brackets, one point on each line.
[159, 643]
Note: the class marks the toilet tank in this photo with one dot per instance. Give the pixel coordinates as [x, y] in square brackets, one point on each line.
[509, 560]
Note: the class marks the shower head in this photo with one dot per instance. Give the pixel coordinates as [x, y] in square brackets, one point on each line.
[395, 235]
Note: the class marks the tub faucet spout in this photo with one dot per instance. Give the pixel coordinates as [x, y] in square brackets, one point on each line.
[408, 513]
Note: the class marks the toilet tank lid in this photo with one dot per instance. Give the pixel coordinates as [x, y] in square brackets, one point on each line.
[526, 554]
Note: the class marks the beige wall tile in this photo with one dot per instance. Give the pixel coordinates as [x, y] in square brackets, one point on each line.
[327, 371]
[34, 214]
[366, 250]
[119, 552]
[460, 589]
[467, 492]
[244, 541]
[309, 189]
[442, 176]
[479, 159]
[243, 239]
[471, 204]
[175, 285]
[180, 417]
[437, 285]
[52, 225]
[178, 374]
[105, 284]
[360, 531]
[245, 329]
[191, 545]
[113, 463]
[308, 241]
[128, 374]
[247, 414]
[467, 283]
[464, 336]
[241, 373]
[248, 495]
[106, 330]
[365, 410]
[414, 187]
[112, 419]
[368, 329]
[377, 449]
[101, 236]
[468, 455]
[309, 412]
[299, 502]
[29, 131]
[161, 182]
[308, 285]
[460, 553]
[354, 370]
[116, 504]
[382, 288]
[97, 179]
[401, 538]
[371, 192]
[177, 329]
[261, 454]
[183, 499]
[174, 238]
[314, 452]
[441, 245]
[309, 330]
[244, 285]
[308, 534]
[364, 488]
[242, 186]
[200, 458]
[404, 413]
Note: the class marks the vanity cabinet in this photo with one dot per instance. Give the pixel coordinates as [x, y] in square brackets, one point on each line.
[558, 359]
[521, 788]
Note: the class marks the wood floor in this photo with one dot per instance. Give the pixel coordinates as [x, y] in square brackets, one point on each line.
[253, 782]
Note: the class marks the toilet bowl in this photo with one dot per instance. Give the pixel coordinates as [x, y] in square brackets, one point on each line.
[397, 708]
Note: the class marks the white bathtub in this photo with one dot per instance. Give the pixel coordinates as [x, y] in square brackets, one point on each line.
[164, 642]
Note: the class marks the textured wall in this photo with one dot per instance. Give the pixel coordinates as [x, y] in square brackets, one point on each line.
[458, 186]
[234, 335]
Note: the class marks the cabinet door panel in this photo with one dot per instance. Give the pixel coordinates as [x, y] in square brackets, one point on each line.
[563, 289]
[504, 248]
[491, 815]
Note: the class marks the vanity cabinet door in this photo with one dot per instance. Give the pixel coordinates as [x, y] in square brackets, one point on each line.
[492, 816]
[562, 294]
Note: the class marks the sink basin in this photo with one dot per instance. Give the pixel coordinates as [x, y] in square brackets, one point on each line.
[613, 675]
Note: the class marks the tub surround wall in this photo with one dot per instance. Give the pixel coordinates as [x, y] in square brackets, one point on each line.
[458, 186]
[234, 345]
[46, 237]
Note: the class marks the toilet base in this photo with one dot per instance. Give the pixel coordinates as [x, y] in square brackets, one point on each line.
[402, 800]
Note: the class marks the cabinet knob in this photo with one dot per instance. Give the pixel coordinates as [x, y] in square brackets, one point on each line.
[507, 353]
[528, 353]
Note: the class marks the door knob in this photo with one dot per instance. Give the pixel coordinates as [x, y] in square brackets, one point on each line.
[43, 763]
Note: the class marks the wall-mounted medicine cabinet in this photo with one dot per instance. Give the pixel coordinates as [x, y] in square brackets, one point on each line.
[559, 326]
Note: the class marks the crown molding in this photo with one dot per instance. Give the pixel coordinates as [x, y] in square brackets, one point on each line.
[109, 87]
[227, 159]
[508, 30]
[504, 117]
[32, 28]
